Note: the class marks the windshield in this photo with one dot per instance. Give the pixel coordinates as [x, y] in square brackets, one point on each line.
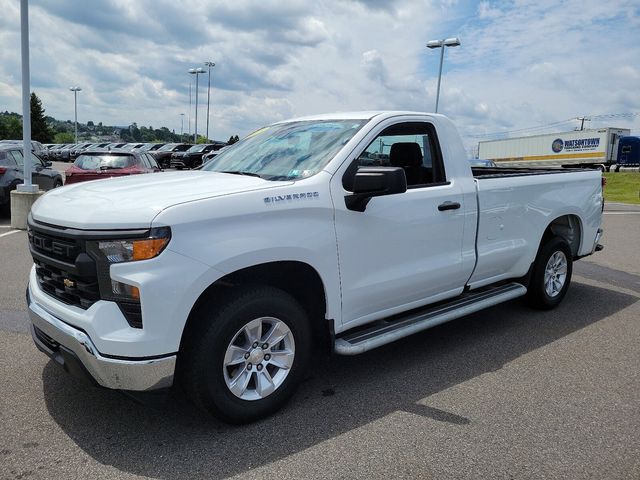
[167, 147]
[287, 151]
[197, 148]
[104, 162]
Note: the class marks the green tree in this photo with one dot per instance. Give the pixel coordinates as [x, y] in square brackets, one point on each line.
[40, 131]
[10, 127]
[63, 137]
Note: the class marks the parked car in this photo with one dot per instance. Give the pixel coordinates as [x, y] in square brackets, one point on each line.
[194, 156]
[132, 146]
[227, 280]
[77, 150]
[163, 154]
[151, 147]
[94, 165]
[211, 155]
[12, 172]
[36, 147]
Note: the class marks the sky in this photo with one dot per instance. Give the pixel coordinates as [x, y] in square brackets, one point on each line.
[522, 65]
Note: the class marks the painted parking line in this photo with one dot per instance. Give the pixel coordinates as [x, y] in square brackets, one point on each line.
[9, 233]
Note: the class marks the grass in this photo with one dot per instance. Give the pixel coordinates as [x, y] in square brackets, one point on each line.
[622, 187]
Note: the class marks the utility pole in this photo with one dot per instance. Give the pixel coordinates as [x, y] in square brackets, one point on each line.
[582, 120]
[181, 125]
[208, 64]
[75, 91]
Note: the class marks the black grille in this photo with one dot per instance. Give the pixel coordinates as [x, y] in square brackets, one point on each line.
[49, 342]
[69, 288]
[132, 312]
[63, 269]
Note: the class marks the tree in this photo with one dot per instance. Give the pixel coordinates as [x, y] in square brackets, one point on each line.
[10, 127]
[63, 137]
[40, 131]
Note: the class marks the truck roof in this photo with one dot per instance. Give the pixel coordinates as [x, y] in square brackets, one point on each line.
[362, 115]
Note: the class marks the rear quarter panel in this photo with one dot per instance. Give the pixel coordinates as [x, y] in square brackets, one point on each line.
[515, 211]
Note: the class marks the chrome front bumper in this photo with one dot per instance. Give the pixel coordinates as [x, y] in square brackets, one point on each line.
[72, 348]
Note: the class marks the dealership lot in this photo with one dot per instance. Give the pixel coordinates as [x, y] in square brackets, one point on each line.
[505, 393]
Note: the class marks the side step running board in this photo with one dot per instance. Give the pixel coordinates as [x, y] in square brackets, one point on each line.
[353, 343]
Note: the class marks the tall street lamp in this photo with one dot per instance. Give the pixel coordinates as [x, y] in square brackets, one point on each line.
[447, 42]
[196, 72]
[75, 91]
[208, 64]
[181, 126]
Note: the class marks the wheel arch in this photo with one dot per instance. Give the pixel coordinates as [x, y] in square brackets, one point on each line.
[298, 279]
[569, 227]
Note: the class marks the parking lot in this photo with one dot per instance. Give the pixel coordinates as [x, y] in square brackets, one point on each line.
[504, 393]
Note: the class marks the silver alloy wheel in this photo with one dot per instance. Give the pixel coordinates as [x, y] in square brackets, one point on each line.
[555, 274]
[259, 358]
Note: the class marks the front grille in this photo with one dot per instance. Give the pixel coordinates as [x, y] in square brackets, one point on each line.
[63, 269]
[66, 287]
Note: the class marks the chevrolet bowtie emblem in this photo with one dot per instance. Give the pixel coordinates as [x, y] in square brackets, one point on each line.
[69, 283]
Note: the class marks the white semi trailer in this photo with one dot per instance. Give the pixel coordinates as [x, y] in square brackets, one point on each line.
[581, 148]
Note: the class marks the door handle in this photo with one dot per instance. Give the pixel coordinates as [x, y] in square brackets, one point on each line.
[448, 206]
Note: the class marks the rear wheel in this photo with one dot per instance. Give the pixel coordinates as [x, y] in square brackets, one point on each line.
[245, 356]
[57, 184]
[551, 274]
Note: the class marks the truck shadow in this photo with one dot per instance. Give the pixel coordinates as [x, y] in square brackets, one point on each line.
[164, 437]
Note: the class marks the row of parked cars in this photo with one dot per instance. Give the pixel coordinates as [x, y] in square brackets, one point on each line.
[174, 155]
[93, 161]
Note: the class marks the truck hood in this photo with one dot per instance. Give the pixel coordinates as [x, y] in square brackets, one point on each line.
[134, 201]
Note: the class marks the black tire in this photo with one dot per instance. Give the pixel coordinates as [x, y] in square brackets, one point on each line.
[537, 294]
[57, 184]
[216, 324]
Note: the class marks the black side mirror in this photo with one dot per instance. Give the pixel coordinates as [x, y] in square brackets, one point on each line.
[369, 182]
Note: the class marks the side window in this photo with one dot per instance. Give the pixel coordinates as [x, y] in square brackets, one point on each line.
[145, 161]
[7, 160]
[626, 149]
[152, 161]
[411, 146]
[17, 156]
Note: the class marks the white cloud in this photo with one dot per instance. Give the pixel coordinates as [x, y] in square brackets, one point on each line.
[520, 64]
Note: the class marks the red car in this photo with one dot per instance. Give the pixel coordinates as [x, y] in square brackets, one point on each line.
[106, 164]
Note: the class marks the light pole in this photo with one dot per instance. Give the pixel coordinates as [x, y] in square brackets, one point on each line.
[196, 72]
[189, 111]
[208, 64]
[27, 185]
[447, 42]
[75, 91]
[181, 125]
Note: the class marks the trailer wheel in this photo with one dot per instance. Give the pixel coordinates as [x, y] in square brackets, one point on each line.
[247, 354]
[551, 275]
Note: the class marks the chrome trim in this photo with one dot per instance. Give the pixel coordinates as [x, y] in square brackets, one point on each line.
[139, 375]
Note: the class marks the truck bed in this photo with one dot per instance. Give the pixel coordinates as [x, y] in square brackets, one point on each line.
[497, 172]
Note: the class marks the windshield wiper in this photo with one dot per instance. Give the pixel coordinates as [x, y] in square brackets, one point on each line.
[239, 172]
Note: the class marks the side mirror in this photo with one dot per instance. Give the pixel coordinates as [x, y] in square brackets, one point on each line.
[369, 182]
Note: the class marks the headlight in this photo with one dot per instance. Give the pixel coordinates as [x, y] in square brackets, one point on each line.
[129, 250]
[110, 251]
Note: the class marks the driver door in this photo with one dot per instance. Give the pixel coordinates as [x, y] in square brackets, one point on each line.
[403, 251]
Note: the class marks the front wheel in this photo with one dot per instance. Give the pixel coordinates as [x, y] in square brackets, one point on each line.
[551, 274]
[246, 356]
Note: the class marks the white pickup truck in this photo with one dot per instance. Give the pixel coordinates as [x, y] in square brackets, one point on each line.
[350, 230]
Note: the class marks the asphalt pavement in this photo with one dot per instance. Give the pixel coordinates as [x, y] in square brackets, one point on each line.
[505, 393]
